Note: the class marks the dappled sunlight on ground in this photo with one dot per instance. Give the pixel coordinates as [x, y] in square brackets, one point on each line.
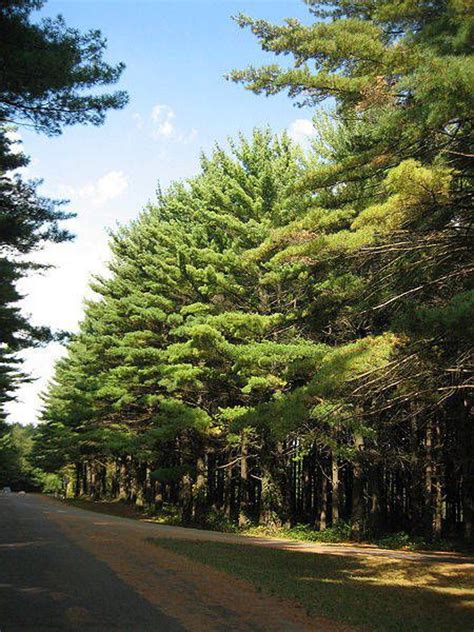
[373, 592]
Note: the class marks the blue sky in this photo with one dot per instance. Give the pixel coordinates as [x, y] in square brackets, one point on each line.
[176, 54]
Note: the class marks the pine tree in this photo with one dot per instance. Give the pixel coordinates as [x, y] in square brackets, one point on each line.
[399, 184]
[287, 338]
[48, 72]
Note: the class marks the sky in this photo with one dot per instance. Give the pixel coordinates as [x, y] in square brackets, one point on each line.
[176, 54]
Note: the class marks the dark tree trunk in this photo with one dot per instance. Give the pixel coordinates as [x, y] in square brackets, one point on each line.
[244, 508]
[335, 491]
[323, 515]
[467, 459]
[357, 513]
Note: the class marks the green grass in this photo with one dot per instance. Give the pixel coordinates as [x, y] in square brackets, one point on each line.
[372, 592]
[342, 533]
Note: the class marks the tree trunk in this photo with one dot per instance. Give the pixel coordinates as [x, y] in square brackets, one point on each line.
[199, 490]
[77, 480]
[416, 480]
[357, 513]
[428, 505]
[467, 460]
[335, 498]
[244, 482]
[324, 503]
[186, 499]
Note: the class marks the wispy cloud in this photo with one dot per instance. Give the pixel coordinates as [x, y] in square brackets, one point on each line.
[162, 121]
[164, 126]
[301, 131]
[108, 187]
[138, 120]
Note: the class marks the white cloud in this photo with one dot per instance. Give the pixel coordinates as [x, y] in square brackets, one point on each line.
[16, 141]
[108, 187]
[39, 364]
[162, 119]
[163, 126]
[56, 298]
[111, 186]
[301, 130]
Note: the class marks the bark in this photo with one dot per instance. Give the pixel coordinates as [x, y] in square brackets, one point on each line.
[335, 498]
[199, 490]
[186, 499]
[416, 480]
[158, 496]
[244, 504]
[78, 479]
[438, 485]
[428, 508]
[467, 459]
[324, 503]
[357, 513]
[375, 499]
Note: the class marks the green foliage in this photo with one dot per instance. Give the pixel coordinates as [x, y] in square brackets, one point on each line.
[169, 474]
[17, 469]
[406, 541]
[50, 483]
[306, 533]
[214, 520]
[287, 330]
[48, 70]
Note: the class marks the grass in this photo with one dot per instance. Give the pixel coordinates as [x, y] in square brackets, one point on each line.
[342, 533]
[372, 592]
[303, 533]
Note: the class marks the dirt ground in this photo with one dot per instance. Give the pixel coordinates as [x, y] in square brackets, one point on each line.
[199, 597]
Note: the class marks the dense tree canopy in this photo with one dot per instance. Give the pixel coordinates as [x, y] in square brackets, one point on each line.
[288, 337]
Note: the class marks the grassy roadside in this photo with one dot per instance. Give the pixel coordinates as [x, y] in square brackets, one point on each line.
[374, 593]
[300, 533]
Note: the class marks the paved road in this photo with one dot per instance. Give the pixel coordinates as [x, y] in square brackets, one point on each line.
[63, 568]
[47, 582]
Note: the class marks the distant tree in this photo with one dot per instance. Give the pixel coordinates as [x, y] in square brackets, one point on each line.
[16, 470]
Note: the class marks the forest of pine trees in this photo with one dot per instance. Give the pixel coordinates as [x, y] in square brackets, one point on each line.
[287, 336]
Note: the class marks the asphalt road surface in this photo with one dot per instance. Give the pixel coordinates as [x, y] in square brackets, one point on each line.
[47, 582]
[63, 568]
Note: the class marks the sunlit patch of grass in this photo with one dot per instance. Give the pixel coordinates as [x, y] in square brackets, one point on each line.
[372, 592]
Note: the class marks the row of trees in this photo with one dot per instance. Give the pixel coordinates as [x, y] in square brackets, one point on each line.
[17, 468]
[47, 75]
[286, 337]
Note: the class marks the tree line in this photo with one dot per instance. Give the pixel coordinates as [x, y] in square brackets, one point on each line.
[287, 336]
